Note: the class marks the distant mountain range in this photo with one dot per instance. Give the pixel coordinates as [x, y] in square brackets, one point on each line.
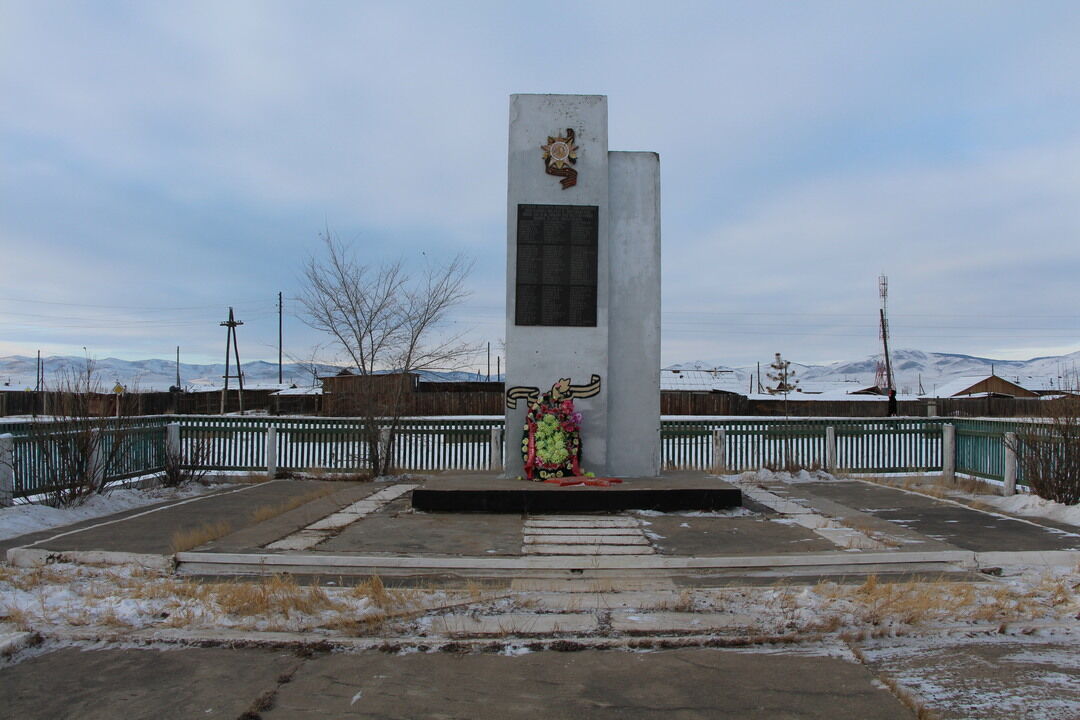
[17, 372]
[910, 367]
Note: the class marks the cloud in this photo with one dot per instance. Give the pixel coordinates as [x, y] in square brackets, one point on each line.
[168, 154]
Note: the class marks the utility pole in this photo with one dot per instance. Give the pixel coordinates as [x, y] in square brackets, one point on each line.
[177, 368]
[37, 383]
[279, 338]
[489, 362]
[230, 342]
[884, 375]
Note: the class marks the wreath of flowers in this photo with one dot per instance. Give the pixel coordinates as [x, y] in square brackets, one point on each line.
[551, 446]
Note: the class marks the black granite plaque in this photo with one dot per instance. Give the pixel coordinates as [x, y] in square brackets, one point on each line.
[556, 265]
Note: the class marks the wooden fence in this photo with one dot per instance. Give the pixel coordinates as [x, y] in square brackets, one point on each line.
[883, 445]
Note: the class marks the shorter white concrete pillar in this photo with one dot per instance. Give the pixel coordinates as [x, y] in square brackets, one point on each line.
[384, 447]
[719, 450]
[271, 452]
[172, 440]
[495, 460]
[931, 408]
[96, 465]
[948, 452]
[1010, 464]
[7, 470]
[830, 449]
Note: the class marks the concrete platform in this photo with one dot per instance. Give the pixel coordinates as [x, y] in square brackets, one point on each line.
[670, 492]
[251, 683]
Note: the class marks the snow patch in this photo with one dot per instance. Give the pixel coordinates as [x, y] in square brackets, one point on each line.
[1034, 506]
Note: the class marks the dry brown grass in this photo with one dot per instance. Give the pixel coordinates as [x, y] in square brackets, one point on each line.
[249, 478]
[32, 578]
[187, 539]
[277, 595]
[318, 473]
[16, 616]
[911, 603]
[266, 512]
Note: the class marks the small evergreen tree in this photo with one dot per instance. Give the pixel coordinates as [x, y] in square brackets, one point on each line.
[780, 372]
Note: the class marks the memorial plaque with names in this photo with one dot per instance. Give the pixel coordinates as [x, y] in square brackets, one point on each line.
[556, 265]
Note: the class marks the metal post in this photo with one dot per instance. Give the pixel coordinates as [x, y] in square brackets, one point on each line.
[1010, 464]
[496, 455]
[948, 452]
[719, 450]
[271, 452]
[830, 449]
[7, 470]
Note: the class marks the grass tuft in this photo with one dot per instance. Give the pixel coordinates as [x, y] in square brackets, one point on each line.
[266, 512]
[187, 539]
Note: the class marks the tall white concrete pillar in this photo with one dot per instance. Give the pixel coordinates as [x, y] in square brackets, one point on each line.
[583, 280]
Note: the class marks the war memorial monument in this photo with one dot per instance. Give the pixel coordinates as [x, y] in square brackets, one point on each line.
[582, 295]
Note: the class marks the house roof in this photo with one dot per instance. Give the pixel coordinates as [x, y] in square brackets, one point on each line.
[960, 386]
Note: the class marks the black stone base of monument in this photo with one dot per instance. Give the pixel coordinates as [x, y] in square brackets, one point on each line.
[574, 499]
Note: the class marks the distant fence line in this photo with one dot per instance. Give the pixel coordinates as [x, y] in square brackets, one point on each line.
[272, 444]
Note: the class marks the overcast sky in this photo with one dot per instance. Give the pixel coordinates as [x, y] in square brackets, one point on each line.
[162, 161]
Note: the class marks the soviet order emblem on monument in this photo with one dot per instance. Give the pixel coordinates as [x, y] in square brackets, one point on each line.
[583, 296]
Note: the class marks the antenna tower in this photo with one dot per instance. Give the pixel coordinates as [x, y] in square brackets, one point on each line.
[230, 342]
[883, 378]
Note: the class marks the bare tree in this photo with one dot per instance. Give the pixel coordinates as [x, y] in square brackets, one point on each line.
[86, 442]
[1049, 452]
[385, 321]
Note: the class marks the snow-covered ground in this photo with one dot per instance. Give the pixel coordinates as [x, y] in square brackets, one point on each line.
[28, 518]
[1034, 506]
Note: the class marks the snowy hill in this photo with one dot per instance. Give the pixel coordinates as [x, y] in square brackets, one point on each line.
[935, 369]
[17, 372]
[909, 366]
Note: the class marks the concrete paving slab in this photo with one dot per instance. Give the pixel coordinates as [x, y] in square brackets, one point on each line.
[364, 507]
[678, 535]
[852, 539]
[138, 684]
[151, 533]
[335, 522]
[437, 534]
[582, 531]
[300, 540]
[565, 586]
[954, 524]
[587, 522]
[515, 624]
[963, 678]
[586, 549]
[588, 601]
[637, 539]
[667, 685]
[636, 621]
